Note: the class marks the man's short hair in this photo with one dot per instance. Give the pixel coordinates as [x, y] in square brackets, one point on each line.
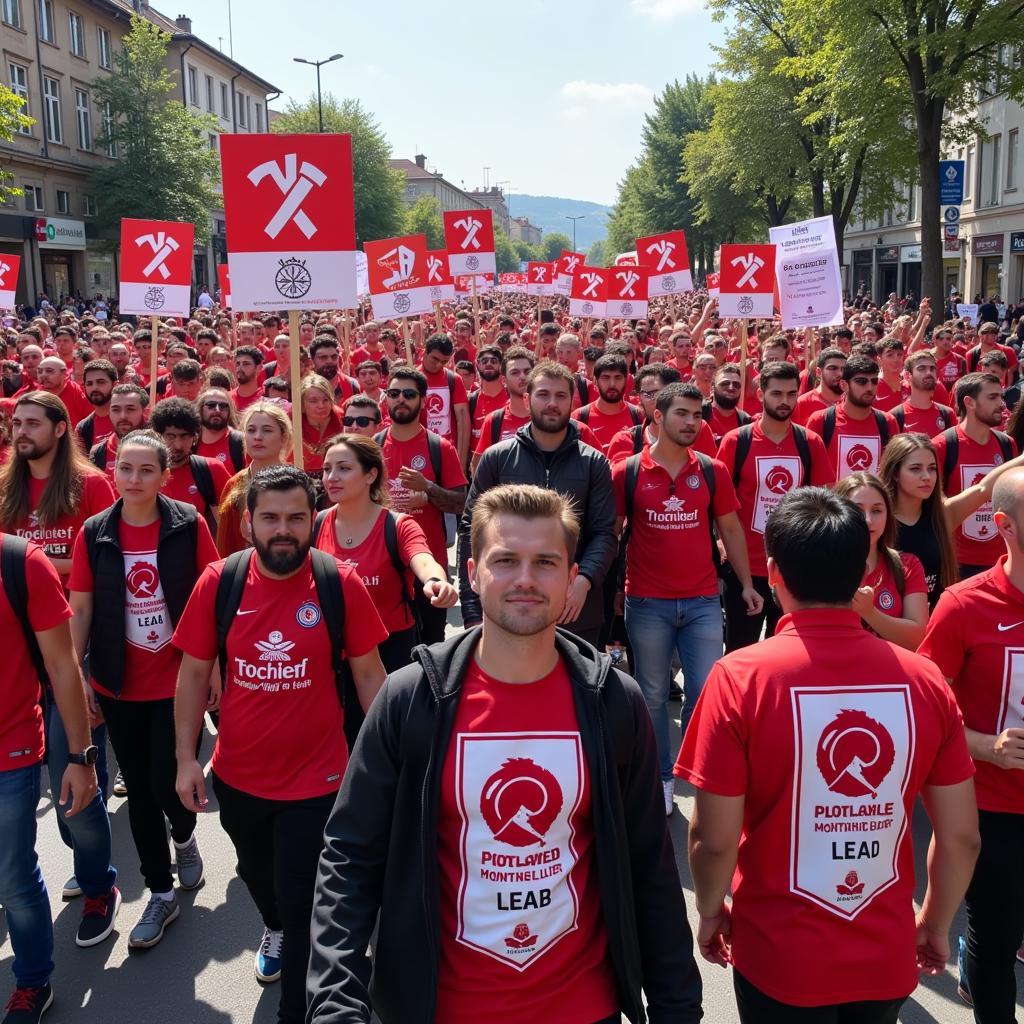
[104, 366]
[994, 358]
[276, 384]
[131, 389]
[179, 413]
[679, 390]
[363, 402]
[776, 369]
[368, 364]
[517, 352]
[969, 386]
[727, 369]
[665, 373]
[552, 371]
[857, 365]
[891, 344]
[439, 343]
[988, 328]
[251, 351]
[546, 329]
[813, 527]
[920, 356]
[408, 373]
[322, 341]
[610, 363]
[279, 478]
[526, 501]
[186, 370]
[830, 353]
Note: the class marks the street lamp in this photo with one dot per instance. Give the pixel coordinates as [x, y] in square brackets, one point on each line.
[579, 216]
[318, 64]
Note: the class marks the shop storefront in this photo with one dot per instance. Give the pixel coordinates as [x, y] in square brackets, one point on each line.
[888, 279]
[1015, 288]
[61, 257]
[861, 271]
[15, 240]
[987, 253]
[910, 270]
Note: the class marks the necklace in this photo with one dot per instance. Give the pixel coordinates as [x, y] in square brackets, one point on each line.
[348, 541]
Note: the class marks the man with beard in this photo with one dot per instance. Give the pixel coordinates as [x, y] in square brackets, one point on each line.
[610, 413]
[491, 393]
[446, 410]
[965, 454]
[128, 403]
[53, 377]
[326, 362]
[550, 453]
[281, 751]
[503, 423]
[425, 478]
[218, 438]
[829, 366]
[853, 430]
[248, 373]
[920, 413]
[766, 460]
[98, 381]
[720, 411]
[455, 754]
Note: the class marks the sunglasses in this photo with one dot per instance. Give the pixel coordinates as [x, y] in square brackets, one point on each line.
[729, 385]
[216, 405]
[484, 360]
[359, 421]
[407, 393]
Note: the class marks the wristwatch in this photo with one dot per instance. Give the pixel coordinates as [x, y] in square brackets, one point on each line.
[89, 756]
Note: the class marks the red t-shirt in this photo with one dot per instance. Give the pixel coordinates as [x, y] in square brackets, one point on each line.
[887, 595]
[926, 421]
[976, 539]
[808, 403]
[669, 551]
[362, 354]
[486, 404]
[856, 444]
[829, 733]
[439, 406]
[314, 439]
[150, 660]
[605, 427]
[768, 473]
[181, 484]
[221, 451]
[522, 935]
[510, 423]
[416, 455]
[77, 404]
[976, 637]
[950, 368]
[622, 443]
[242, 402]
[721, 423]
[102, 428]
[887, 398]
[281, 733]
[373, 563]
[1011, 357]
[22, 741]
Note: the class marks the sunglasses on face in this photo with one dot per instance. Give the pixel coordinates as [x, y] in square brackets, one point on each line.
[729, 385]
[407, 393]
[359, 421]
[484, 360]
[216, 405]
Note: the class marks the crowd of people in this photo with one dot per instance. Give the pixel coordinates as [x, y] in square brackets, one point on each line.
[823, 531]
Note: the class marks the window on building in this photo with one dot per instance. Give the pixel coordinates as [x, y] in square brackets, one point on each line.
[19, 86]
[88, 206]
[33, 198]
[108, 129]
[84, 119]
[243, 121]
[988, 171]
[259, 117]
[912, 203]
[213, 141]
[968, 168]
[51, 104]
[103, 47]
[210, 105]
[76, 29]
[225, 102]
[47, 28]
[63, 200]
[11, 12]
[193, 86]
[1012, 151]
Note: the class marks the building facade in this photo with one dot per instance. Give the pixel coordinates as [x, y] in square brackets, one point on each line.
[521, 230]
[494, 199]
[421, 182]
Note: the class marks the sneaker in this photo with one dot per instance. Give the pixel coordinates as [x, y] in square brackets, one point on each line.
[72, 890]
[962, 989]
[675, 691]
[669, 788]
[120, 789]
[27, 1005]
[189, 864]
[268, 956]
[159, 913]
[98, 918]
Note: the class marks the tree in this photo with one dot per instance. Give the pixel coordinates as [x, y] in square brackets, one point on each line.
[598, 254]
[552, 245]
[11, 121]
[505, 256]
[165, 169]
[378, 189]
[526, 252]
[424, 218]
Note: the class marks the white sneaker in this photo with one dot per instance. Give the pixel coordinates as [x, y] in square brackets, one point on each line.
[669, 787]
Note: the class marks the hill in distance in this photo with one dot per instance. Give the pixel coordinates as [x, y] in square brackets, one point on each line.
[549, 213]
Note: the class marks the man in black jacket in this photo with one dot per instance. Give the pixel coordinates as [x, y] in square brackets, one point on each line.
[501, 814]
[548, 452]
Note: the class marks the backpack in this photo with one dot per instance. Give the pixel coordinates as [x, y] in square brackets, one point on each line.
[637, 433]
[746, 439]
[829, 427]
[230, 588]
[98, 455]
[706, 411]
[953, 450]
[433, 450]
[86, 430]
[900, 416]
[13, 559]
[236, 450]
[583, 414]
[582, 390]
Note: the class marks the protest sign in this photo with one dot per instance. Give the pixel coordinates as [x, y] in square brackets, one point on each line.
[589, 293]
[627, 291]
[469, 239]
[807, 270]
[669, 261]
[746, 281]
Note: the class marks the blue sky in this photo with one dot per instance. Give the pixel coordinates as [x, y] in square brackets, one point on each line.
[549, 94]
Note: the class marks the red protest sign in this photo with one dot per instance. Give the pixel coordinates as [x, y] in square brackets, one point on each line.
[156, 267]
[9, 268]
[469, 239]
[565, 267]
[746, 280]
[589, 292]
[540, 278]
[224, 276]
[712, 282]
[627, 291]
[669, 261]
[464, 283]
[289, 207]
[511, 282]
[442, 287]
[397, 270]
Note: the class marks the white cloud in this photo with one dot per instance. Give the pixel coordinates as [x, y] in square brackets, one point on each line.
[665, 10]
[619, 94]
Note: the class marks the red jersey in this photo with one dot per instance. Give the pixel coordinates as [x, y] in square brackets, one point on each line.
[829, 733]
[856, 444]
[281, 733]
[669, 551]
[315, 439]
[373, 563]
[721, 423]
[767, 474]
[925, 421]
[102, 428]
[624, 443]
[808, 403]
[77, 404]
[22, 740]
[522, 935]
[363, 354]
[508, 424]
[151, 662]
[445, 391]
[950, 368]
[242, 402]
[181, 485]
[977, 352]
[416, 455]
[976, 539]
[887, 398]
[221, 451]
[484, 404]
[605, 426]
[888, 597]
[976, 637]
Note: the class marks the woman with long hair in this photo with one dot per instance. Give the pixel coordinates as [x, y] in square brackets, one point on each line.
[267, 434]
[387, 550]
[321, 421]
[892, 599]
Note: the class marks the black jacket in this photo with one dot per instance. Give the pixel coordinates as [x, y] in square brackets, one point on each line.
[577, 471]
[176, 564]
[380, 848]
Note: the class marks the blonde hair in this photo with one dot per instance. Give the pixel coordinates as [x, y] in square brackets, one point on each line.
[315, 381]
[526, 501]
[277, 414]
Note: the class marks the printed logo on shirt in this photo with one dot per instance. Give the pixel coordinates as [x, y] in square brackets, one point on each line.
[693, 482]
[776, 476]
[221, 457]
[147, 623]
[1011, 711]
[308, 615]
[56, 541]
[272, 670]
[857, 453]
[418, 462]
[517, 795]
[275, 647]
[438, 404]
[979, 524]
[673, 515]
[886, 600]
[854, 748]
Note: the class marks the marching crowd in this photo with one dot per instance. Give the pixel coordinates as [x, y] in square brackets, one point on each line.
[482, 808]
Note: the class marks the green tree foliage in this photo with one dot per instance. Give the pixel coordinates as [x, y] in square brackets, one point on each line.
[552, 244]
[505, 256]
[165, 169]
[424, 218]
[11, 121]
[525, 251]
[598, 254]
[378, 189]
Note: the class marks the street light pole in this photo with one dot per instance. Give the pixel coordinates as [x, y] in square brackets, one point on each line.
[579, 216]
[319, 98]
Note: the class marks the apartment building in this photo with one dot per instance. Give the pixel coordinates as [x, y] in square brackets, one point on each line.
[421, 182]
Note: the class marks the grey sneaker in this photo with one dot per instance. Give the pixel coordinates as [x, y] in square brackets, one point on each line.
[120, 789]
[190, 864]
[159, 913]
[72, 890]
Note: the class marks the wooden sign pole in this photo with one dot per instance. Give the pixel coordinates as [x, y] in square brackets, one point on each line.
[294, 374]
[152, 361]
[476, 313]
[346, 344]
[408, 341]
[743, 362]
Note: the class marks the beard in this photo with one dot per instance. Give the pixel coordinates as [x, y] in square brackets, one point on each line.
[834, 388]
[611, 395]
[31, 450]
[549, 425]
[489, 373]
[327, 372]
[778, 415]
[520, 621]
[97, 398]
[404, 415]
[214, 420]
[727, 401]
[281, 560]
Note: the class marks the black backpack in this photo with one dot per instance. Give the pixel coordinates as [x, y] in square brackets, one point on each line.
[86, 430]
[98, 454]
[13, 558]
[953, 450]
[236, 450]
[829, 427]
[582, 389]
[745, 439]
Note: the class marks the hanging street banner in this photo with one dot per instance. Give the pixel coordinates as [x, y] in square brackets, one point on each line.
[397, 269]
[746, 281]
[627, 292]
[156, 268]
[9, 268]
[669, 261]
[469, 239]
[540, 278]
[589, 294]
[442, 287]
[288, 203]
[808, 273]
[565, 267]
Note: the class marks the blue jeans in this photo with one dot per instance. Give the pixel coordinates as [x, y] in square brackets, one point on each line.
[87, 834]
[691, 626]
[22, 889]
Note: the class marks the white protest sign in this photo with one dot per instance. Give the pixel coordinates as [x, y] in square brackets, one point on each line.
[968, 311]
[807, 272]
